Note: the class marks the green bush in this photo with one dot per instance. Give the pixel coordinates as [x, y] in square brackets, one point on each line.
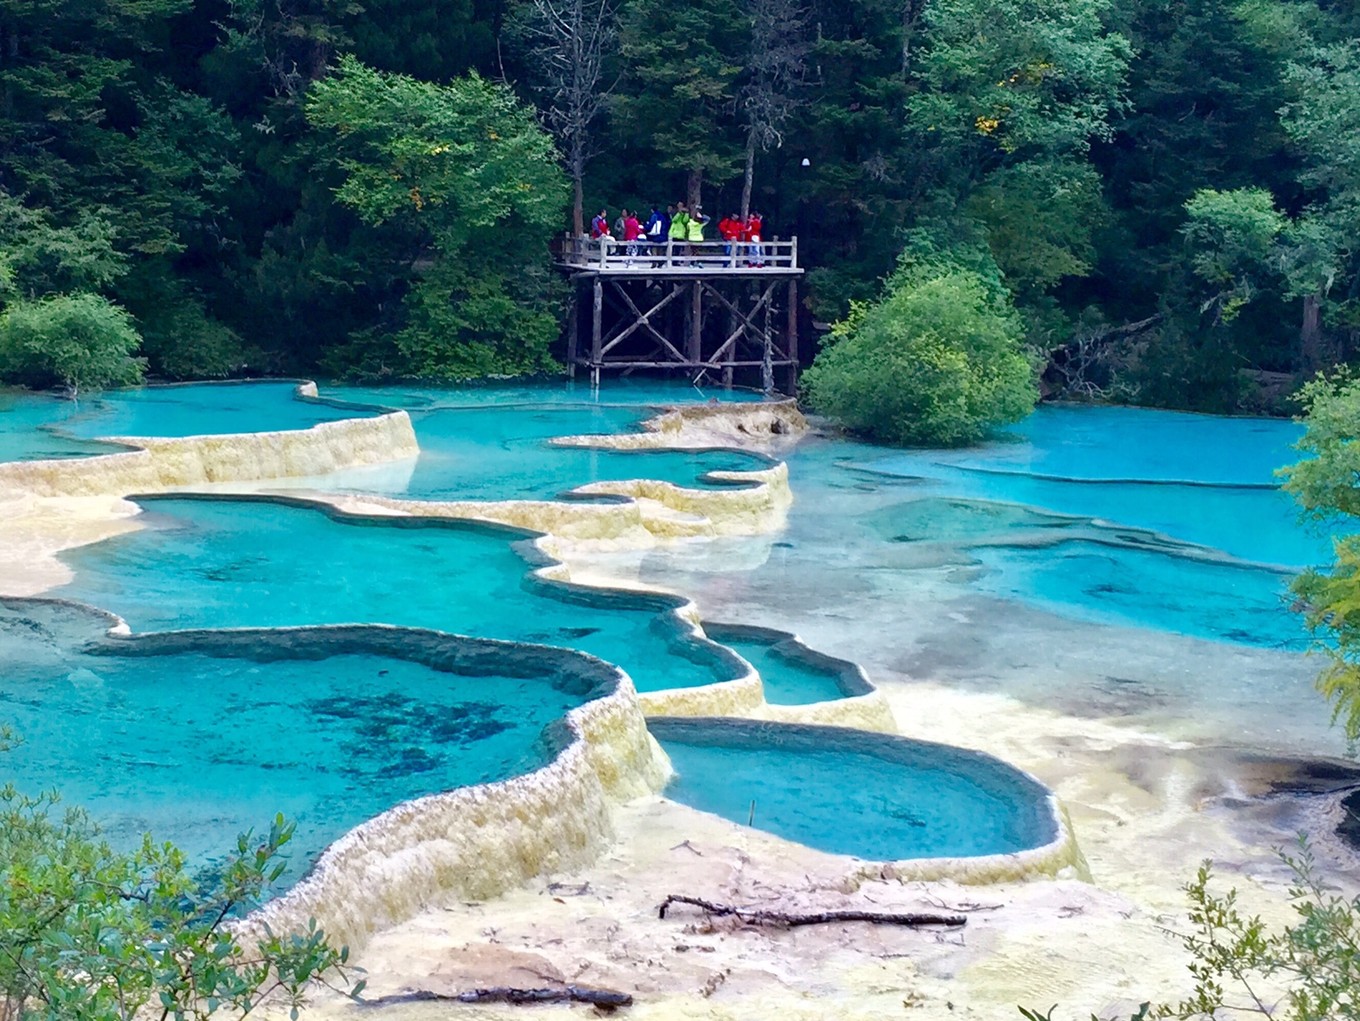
[91, 933]
[80, 340]
[936, 362]
[1323, 484]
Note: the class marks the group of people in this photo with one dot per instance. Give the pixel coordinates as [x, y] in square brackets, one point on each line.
[680, 225]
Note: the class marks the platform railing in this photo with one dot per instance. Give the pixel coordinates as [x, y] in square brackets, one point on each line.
[607, 255]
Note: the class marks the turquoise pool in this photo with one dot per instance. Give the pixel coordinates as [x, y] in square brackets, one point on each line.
[1073, 565]
[217, 563]
[198, 746]
[32, 428]
[790, 673]
[874, 796]
[493, 444]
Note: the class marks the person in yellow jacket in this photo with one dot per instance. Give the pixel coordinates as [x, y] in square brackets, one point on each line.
[694, 230]
[679, 230]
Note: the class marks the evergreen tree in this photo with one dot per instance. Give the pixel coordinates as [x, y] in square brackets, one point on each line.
[677, 102]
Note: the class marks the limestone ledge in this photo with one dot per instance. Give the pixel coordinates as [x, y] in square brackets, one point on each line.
[1060, 858]
[863, 712]
[651, 511]
[160, 464]
[694, 426]
[475, 843]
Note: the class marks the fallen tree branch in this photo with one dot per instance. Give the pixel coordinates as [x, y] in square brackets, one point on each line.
[608, 999]
[756, 917]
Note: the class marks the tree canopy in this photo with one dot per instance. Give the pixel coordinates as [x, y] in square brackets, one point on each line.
[1168, 187]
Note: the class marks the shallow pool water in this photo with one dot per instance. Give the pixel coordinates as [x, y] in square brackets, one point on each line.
[872, 796]
[31, 428]
[255, 563]
[1103, 562]
[787, 672]
[493, 444]
[198, 747]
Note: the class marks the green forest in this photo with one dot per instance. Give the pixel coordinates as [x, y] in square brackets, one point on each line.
[1156, 198]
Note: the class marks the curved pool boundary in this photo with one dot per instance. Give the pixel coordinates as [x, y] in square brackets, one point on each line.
[148, 463]
[471, 842]
[1048, 859]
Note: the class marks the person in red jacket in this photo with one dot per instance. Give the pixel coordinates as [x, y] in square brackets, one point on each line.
[599, 227]
[751, 234]
[729, 229]
[632, 230]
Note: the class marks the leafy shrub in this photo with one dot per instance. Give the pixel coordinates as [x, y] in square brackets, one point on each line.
[1241, 967]
[92, 933]
[83, 341]
[936, 362]
[1324, 486]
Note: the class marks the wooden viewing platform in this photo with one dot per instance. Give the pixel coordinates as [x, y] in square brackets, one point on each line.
[707, 307]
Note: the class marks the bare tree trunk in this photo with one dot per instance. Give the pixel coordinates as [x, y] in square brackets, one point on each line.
[911, 12]
[578, 205]
[750, 175]
[1310, 334]
[694, 186]
[569, 42]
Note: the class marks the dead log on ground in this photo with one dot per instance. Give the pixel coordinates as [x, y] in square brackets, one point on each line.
[912, 920]
[607, 999]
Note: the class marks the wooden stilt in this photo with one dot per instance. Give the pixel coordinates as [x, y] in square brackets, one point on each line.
[696, 322]
[791, 384]
[767, 354]
[597, 310]
[573, 330]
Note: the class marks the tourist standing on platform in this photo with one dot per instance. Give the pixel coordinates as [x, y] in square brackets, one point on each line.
[732, 231]
[632, 230]
[679, 229]
[694, 230]
[655, 227]
[599, 227]
[754, 225]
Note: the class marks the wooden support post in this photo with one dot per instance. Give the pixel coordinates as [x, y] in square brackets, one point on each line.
[573, 329]
[791, 336]
[767, 354]
[596, 311]
[696, 322]
[726, 361]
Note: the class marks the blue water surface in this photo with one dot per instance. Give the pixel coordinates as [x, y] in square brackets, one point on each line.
[31, 428]
[253, 563]
[925, 801]
[485, 443]
[200, 747]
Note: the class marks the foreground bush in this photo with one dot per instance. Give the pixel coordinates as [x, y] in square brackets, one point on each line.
[82, 341]
[1241, 967]
[88, 933]
[1324, 485]
[936, 362]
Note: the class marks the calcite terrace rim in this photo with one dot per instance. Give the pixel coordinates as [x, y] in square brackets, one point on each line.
[541, 571]
[1058, 852]
[608, 692]
[850, 677]
[741, 694]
